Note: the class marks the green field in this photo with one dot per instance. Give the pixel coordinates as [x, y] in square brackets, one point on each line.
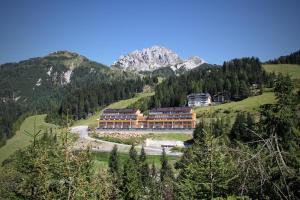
[290, 69]
[101, 159]
[230, 110]
[92, 121]
[170, 136]
[20, 139]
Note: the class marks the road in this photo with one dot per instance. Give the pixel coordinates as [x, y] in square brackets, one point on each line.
[107, 146]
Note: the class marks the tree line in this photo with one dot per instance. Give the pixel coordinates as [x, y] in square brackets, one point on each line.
[293, 58]
[234, 79]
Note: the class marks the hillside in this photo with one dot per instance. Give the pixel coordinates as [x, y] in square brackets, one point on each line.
[291, 69]
[20, 139]
[230, 110]
[59, 83]
[92, 120]
[45, 75]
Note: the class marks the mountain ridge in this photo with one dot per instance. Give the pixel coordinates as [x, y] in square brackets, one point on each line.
[153, 58]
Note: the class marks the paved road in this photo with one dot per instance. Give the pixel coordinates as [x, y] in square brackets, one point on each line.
[107, 146]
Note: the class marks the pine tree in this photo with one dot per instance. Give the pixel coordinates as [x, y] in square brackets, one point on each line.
[208, 174]
[198, 133]
[113, 162]
[114, 170]
[131, 185]
[144, 170]
[166, 177]
[238, 129]
[133, 154]
[243, 90]
[154, 184]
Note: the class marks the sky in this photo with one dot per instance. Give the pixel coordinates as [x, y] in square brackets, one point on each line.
[103, 30]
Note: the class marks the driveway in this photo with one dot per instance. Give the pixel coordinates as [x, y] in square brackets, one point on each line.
[107, 146]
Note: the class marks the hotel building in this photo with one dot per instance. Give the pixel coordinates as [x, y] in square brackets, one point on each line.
[158, 118]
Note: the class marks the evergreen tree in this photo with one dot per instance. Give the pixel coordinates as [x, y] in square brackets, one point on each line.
[133, 154]
[166, 177]
[198, 133]
[238, 129]
[113, 162]
[144, 170]
[114, 169]
[243, 90]
[131, 185]
[154, 184]
[208, 174]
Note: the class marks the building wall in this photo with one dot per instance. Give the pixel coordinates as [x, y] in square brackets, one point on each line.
[154, 121]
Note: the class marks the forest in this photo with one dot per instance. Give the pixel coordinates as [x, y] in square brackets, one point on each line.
[253, 159]
[235, 79]
[293, 58]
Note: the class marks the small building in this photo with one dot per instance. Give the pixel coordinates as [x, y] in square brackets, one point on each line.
[163, 143]
[221, 97]
[199, 99]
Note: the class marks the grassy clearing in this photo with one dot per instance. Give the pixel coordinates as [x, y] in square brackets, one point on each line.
[101, 159]
[230, 110]
[291, 69]
[92, 121]
[170, 136]
[20, 140]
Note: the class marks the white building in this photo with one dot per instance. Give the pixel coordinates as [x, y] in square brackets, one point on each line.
[199, 99]
[163, 143]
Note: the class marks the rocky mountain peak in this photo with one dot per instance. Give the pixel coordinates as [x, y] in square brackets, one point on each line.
[149, 59]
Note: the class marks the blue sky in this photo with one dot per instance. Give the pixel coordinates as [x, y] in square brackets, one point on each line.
[102, 30]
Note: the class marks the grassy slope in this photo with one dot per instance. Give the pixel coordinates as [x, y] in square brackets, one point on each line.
[292, 70]
[92, 121]
[250, 104]
[20, 140]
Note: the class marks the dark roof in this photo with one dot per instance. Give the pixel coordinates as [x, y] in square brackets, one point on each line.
[125, 110]
[172, 109]
[206, 95]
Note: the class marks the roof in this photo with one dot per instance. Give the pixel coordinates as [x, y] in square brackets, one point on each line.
[172, 109]
[206, 95]
[125, 111]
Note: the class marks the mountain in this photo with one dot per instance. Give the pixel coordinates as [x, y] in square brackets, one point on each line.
[153, 58]
[63, 85]
[43, 75]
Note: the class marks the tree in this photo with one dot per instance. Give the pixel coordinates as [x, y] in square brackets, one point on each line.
[198, 133]
[208, 174]
[114, 169]
[113, 162]
[131, 182]
[243, 90]
[49, 169]
[166, 177]
[154, 184]
[144, 170]
[133, 154]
